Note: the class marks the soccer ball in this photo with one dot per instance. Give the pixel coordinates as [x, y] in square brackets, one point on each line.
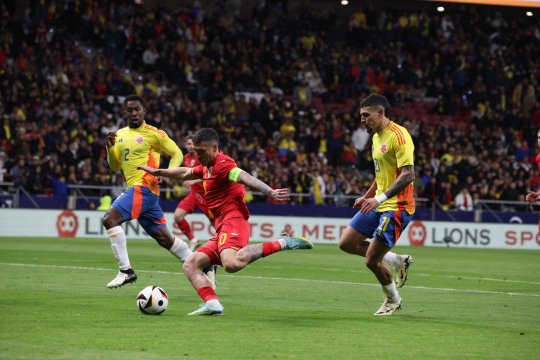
[152, 300]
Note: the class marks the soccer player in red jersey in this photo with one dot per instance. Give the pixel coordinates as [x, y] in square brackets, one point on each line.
[195, 198]
[223, 184]
[535, 195]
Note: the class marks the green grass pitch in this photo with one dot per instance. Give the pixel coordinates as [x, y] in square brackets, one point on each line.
[318, 304]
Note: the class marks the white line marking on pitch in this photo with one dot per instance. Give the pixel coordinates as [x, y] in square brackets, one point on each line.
[280, 279]
[456, 277]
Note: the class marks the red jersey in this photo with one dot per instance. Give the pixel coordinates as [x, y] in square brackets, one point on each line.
[538, 161]
[224, 198]
[193, 161]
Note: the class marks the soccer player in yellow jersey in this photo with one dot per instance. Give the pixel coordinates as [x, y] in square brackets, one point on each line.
[388, 205]
[132, 146]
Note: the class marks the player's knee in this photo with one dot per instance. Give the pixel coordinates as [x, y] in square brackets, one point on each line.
[108, 221]
[190, 266]
[231, 267]
[372, 263]
[345, 245]
[178, 218]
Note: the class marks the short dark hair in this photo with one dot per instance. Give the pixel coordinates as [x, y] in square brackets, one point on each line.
[376, 100]
[206, 135]
[133, 97]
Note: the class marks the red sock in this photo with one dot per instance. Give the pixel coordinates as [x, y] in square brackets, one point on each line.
[207, 293]
[271, 247]
[186, 229]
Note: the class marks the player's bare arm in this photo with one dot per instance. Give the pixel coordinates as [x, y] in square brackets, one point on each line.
[368, 195]
[405, 178]
[256, 184]
[180, 173]
[189, 183]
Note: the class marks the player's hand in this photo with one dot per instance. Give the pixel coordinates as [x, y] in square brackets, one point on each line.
[280, 194]
[358, 202]
[148, 169]
[369, 205]
[110, 139]
[532, 196]
[162, 180]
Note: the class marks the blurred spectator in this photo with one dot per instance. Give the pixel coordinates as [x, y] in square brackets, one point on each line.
[303, 96]
[464, 200]
[3, 170]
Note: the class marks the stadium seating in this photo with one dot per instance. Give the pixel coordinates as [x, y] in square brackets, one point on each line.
[75, 96]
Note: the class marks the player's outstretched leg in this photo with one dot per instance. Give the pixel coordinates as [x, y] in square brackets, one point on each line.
[296, 242]
[402, 270]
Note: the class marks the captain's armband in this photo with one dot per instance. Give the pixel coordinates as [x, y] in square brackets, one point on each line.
[234, 173]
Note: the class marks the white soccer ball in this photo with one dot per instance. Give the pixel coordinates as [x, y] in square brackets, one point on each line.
[152, 300]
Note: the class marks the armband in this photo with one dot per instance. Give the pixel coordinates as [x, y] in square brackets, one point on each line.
[234, 173]
[381, 198]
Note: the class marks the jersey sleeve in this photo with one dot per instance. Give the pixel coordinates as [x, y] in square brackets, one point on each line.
[225, 167]
[404, 149]
[198, 171]
[113, 158]
[170, 148]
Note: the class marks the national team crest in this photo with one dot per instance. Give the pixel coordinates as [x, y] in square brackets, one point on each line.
[384, 148]
[139, 139]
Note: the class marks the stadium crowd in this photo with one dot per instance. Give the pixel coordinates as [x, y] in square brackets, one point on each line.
[281, 88]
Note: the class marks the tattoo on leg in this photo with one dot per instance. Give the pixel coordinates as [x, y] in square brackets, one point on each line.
[253, 252]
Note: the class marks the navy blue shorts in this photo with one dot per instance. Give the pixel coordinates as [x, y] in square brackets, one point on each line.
[138, 202]
[385, 227]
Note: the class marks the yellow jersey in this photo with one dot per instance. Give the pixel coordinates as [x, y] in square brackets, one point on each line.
[142, 146]
[392, 149]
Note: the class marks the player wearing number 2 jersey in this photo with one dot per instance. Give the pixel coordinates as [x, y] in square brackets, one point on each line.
[223, 184]
[139, 144]
[387, 207]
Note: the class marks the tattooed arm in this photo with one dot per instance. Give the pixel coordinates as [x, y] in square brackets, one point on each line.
[405, 178]
[244, 178]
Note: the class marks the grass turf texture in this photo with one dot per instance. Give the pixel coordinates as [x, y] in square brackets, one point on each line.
[458, 303]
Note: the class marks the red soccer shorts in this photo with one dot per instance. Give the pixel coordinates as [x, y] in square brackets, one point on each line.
[192, 201]
[232, 233]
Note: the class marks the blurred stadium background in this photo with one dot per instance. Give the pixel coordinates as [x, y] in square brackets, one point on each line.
[280, 81]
